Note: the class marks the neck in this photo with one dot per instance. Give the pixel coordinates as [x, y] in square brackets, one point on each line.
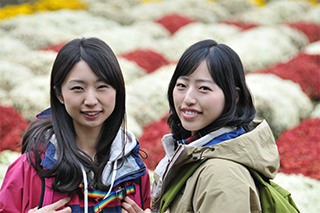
[87, 142]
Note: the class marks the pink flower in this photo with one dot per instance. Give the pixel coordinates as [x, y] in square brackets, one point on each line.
[12, 128]
[303, 69]
[242, 25]
[174, 22]
[147, 59]
[150, 142]
[310, 29]
[299, 149]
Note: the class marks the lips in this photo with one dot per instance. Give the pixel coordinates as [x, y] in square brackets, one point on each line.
[92, 114]
[189, 113]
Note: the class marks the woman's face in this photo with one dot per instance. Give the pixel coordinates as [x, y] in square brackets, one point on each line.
[87, 99]
[198, 100]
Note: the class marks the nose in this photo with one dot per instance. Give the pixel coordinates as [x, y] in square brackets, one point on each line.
[91, 98]
[190, 97]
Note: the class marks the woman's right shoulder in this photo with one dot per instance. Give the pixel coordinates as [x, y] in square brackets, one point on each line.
[21, 161]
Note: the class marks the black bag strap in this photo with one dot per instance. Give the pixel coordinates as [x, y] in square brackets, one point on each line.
[43, 186]
[138, 181]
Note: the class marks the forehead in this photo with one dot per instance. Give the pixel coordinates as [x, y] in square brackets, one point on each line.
[81, 70]
[201, 72]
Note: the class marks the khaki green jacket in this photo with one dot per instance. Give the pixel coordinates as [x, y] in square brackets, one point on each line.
[222, 183]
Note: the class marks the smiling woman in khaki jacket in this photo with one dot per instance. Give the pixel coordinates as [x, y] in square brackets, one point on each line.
[213, 138]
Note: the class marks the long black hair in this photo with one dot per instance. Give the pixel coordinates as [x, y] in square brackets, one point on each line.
[226, 70]
[67, 169]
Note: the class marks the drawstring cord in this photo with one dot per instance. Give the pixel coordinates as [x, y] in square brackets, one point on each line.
[200, 157]
[114, 172]
[85, 189]
[113, 178]
[145, 154]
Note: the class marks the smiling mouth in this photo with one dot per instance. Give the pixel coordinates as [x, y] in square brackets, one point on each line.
[190, 112]
[91, 113]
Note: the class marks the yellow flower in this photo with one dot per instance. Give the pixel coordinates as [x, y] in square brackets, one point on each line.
[59, 4]
[313, 2]
[146, 1]
[13, 10]
[41, 5]
[260, 2]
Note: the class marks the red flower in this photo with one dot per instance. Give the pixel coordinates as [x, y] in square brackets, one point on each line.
[12, 128]
[174, 22]
[242, 25]
[303, 69]
[55, 48]
[150, 142]
[311, 30]
[299, 149]
[147, 59]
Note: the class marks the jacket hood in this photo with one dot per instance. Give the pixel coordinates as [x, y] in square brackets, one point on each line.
[256, 149]
[132, 163]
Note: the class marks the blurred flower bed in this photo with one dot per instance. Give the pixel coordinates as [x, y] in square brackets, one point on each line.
[12, 128]
[147, 59]
[299, 148]
[280, 51]
[40, 5]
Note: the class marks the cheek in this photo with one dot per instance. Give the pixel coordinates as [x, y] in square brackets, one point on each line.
[110, 99]
[222, 102]
[176, 99]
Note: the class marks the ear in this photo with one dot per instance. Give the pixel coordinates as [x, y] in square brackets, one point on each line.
[238, 94]
[58, 95]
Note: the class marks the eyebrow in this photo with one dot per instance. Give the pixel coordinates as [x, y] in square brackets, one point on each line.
[82, 81]
[198, 80]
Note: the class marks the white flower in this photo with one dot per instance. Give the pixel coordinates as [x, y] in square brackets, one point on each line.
[52, 27]
[154, 10]
[238, 6]
[281, 102]
[304, 191]
[146, 96]
[293, 9]
[12, 74]
[5, 98]
[173, 47]
[151, 30]
[6, 158]
[316, 112]
[113, 10]
[126, 39]
[130, 70]
[39, 62]
[263, 46]
[313, 48]
[206, 12]
[32, 96]
[312, 15]
[134, 127]
[274, 13]
[11, 47]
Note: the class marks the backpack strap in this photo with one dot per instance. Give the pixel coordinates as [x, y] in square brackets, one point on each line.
[177, 182]
[273, 198]
[138, 181]
[43, 186]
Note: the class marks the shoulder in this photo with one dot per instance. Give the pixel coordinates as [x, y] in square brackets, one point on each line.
[20, 167]
[223, 173]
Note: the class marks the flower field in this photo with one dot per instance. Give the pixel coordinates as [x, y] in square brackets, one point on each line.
[278, 42]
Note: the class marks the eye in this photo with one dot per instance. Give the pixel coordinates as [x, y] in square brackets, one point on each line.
[180, 85]
[204, 88]
[103, 86]
[76, 88]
